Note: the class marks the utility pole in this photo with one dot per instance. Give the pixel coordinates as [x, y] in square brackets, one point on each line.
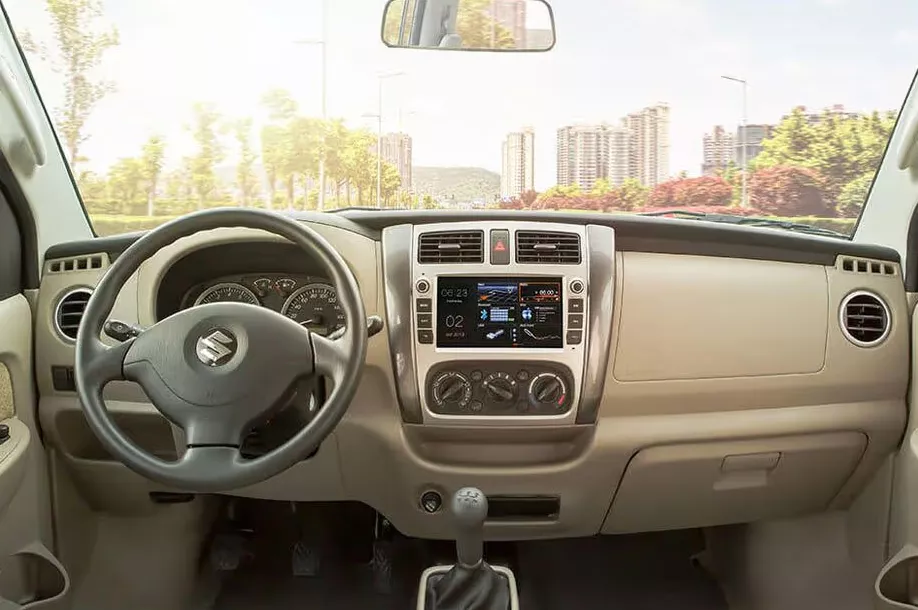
[323, 45]
[744, 201]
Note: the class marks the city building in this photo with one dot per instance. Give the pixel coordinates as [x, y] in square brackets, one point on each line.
[512, 15]
[396, 149]
[648, 133]
[755, 135]
[834, 111]
[583, 155]
[517, 163]
[718, 151]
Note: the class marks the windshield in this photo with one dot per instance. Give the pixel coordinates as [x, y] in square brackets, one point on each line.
[772, 110]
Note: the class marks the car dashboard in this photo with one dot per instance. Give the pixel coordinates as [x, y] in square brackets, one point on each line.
[591, 373]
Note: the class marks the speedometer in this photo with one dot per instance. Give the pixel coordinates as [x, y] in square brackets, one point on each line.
[228, 291]
[316, 307]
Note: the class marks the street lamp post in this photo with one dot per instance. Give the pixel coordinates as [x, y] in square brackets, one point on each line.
[323, 45]
[744, 201]
[382, 79]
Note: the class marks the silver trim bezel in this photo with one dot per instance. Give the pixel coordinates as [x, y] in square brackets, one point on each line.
[428, 356]
[844, 328]
[57, 307]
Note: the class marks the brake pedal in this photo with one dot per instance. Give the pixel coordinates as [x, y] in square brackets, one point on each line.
[228, 551]
[305, 559]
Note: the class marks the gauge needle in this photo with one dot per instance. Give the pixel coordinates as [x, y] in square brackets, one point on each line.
[309, 321]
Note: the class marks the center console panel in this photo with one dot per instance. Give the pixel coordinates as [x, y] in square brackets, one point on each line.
[490, 323]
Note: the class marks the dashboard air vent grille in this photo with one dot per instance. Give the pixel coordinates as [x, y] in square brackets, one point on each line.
[865, 318]
[858, 265]
[451, 247]
[82, 263]
[542, 247]
[69, 312]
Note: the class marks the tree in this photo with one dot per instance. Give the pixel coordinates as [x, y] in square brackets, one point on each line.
[151, 160]
[93, 189]
[273, 157]
[478, 28]
[680, 193]
[788, 191]
[391, 181]
[126, 179]
[210, 151]
[245, 169]
[360, 163]
[601, 187]
[853, 195]
[632, 194]
[81, 46]
[282, 110]
[336, 141]
[528, 198]
[179, 187]
[306, 141]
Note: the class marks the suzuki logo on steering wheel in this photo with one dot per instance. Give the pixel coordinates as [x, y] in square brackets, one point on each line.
[216, 348]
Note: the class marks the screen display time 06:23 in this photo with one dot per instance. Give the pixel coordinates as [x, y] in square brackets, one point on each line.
[499, 312]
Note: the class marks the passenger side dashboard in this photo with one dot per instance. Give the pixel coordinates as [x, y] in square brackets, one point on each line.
[722, 375]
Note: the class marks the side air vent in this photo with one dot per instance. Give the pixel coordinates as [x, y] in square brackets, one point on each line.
[451, 247]
[864, 318]
[540, 247]
[69, 312]
[82, 263]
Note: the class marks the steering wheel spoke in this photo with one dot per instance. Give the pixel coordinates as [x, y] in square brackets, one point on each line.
[214, 426]
[330, 356]
[102, 364]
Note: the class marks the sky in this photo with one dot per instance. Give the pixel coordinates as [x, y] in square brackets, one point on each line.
[612, 57]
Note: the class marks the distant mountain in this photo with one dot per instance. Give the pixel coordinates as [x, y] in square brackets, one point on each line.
[459, 183]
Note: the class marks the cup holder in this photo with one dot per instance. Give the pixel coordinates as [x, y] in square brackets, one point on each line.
[897, 585]
[32, 579]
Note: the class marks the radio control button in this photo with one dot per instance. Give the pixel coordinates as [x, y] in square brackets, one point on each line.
[422, 286]
[577, 286]
[573, 306]
[425, 320]
[423, 305]
[476, 375]
[575, 321]
[574, 337]
[425, 336]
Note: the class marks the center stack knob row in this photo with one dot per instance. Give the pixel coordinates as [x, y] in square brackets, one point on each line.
[456, 392]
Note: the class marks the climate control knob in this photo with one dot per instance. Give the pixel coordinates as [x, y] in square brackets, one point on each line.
[451, 389]
[501, 387]
[548, 391]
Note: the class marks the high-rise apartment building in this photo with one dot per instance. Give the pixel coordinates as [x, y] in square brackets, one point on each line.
[637, 148]
[583, 155]
[648, 131]
[754, 136]
[396, 149]
[517, 163]
[718, 151]
[512, 15]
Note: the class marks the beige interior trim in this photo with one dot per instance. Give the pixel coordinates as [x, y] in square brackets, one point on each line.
[13, 460]
[7, 406]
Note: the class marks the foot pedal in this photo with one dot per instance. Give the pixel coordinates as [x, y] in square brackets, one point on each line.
[382, 556]
[305, 559]
[228, 551]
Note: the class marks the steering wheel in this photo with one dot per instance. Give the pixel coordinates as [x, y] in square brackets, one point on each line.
[216, 370]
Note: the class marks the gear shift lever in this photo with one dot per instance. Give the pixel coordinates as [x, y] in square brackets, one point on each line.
[470, 509]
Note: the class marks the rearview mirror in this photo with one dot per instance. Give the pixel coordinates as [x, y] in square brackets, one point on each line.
[469, 25]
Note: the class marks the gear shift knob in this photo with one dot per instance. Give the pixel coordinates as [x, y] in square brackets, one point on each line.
[470, 509]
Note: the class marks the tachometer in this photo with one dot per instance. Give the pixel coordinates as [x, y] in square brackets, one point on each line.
[316, 307]
[227, 292]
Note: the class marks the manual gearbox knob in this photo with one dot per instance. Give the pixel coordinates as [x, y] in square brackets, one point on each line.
[470, 509]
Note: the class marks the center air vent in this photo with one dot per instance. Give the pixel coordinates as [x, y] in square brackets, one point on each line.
[69, 312]
[541, 247]
[451, 247]
[864, 318]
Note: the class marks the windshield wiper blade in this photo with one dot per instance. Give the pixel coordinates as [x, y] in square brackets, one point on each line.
[751, 221]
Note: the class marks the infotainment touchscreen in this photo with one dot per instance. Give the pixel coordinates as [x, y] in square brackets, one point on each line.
[485, 312]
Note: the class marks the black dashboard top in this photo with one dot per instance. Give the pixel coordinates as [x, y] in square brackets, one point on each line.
[633, 234]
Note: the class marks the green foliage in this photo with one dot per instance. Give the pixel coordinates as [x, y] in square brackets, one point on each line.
[246, 181]
[81, 46]
[210, 151]
[788, 191]
[601, 187]
[463, 183]
[478, 30]
[632, 194]
[151, 161]
[853, 195]
[840, 149]
[125, 182]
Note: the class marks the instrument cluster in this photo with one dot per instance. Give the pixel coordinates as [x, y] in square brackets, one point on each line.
[307, 300]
